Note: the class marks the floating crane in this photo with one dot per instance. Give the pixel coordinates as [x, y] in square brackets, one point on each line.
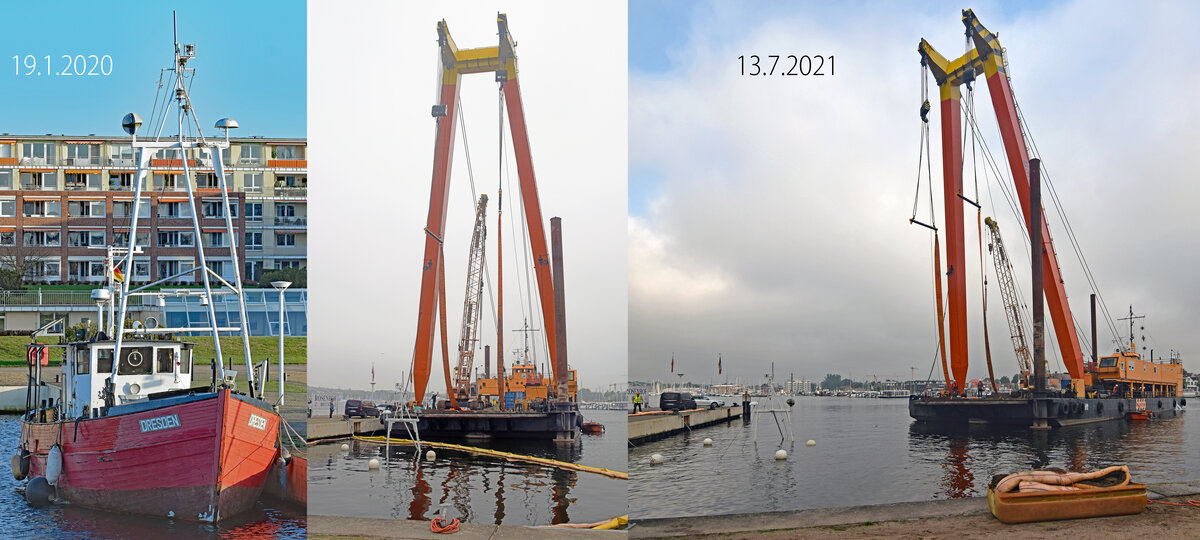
[1008, 293]
[469, 336]
[986, 59]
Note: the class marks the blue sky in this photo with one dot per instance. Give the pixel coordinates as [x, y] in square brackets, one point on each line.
[251, 60]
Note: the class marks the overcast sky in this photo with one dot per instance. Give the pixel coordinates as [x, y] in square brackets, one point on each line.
[374, 80]
[768, 215]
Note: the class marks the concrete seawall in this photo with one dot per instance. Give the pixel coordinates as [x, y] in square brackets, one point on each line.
[336, 428]
[953, 518]
[659, 424]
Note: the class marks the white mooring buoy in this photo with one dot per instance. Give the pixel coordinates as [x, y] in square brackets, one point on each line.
[811, 443]
[707, 442]
[656, 459]
[345, 447]
[431, 455]
[780, 454]
[373, 464]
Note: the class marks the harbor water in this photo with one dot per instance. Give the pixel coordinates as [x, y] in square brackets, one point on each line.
[473, 488]
[869, 451]
[19, 520]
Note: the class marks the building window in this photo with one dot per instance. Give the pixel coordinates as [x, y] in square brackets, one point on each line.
[254, 241]
[167, 268]
[85, 208]
[46, 181]
[42, 238]
[169, 182]
[174, 209]
[121, 154]
[85, 238]
[141, 270]
[285, 210]
[287, 263]
[217, 267]
[8, 207]
[213, 209]
[124, 209]
[121, 238]
[251, 154]
[83, 270]
[83, 155]
[8, 238]
[37, 153]
[254, 211]
[43, 208]
[5, 150]
[47, 318]
[252, 182]
[214, 239]
[175, 239]
[290, 180]
[167, 153]
[207, 181]
[82, 181]
[5, 176]
[289, 152]
[285, 240]
[254, 270]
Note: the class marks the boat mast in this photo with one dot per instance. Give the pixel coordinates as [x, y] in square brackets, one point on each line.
[186, 117]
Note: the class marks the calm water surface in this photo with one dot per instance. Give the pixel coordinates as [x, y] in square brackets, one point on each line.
[869, 451]
[476, 489]
[19, 520]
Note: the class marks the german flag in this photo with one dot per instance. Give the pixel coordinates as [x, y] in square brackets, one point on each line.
[117, 274]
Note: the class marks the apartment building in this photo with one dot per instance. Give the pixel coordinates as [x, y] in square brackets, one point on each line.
[64, 198]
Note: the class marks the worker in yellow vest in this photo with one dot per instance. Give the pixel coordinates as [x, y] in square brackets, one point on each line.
[637, 402]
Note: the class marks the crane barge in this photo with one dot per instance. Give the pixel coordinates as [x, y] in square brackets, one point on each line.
[1107, 388]
[526, 403]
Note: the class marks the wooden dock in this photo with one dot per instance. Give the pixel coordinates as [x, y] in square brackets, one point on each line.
[652, 425]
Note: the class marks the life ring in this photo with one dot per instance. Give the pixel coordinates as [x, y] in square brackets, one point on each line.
[130, 359]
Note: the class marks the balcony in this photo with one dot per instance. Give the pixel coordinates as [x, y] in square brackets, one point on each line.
[173, 163]
[250, 162]
[82, 161]
[122, 162]
[38, 187]
[291, 221]
[297, 192]
[80, 186]
[288, 163]
[8, 161]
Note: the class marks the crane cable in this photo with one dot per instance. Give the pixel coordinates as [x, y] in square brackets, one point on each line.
[925, 157]
[987, 345]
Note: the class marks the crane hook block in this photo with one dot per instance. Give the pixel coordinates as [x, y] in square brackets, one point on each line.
[925, 111]
[439, 110]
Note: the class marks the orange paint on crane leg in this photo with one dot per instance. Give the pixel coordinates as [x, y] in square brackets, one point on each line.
[435, 226]
[1018, 159]
[533, 216]
[955, 244]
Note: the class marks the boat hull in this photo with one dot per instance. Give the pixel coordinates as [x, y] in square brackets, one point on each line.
[200, 457]
[553, 425]
[1055, 411]
[1055, 505]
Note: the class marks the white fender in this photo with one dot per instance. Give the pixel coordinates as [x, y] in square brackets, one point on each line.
[54, 464]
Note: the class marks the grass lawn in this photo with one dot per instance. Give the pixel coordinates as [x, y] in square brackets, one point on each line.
[295, 349]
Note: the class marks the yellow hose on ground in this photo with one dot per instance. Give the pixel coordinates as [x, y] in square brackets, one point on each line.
[506, 455]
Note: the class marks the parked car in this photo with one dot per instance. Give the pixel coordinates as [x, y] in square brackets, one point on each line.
[353, 408]
[369, 410]
[708, 402]
[676, 401]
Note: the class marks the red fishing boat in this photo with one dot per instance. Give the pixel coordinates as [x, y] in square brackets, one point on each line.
[123, 427]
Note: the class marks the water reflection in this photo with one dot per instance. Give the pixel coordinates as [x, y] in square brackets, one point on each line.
[474, 488]
[968, 452]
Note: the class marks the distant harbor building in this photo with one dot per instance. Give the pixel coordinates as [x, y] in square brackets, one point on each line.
[799, 387]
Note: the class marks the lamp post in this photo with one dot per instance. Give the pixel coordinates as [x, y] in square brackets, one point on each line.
[280, 286]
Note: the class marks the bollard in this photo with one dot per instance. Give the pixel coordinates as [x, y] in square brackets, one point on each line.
[746, 409]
